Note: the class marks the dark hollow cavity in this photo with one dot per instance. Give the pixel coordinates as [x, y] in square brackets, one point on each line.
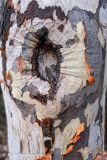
[45, 60]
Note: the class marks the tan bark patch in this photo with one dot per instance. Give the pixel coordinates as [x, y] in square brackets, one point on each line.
[11, 3]
[22, 64]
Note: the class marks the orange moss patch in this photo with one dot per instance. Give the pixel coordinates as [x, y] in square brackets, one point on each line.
[48, 156]
[69, 150]
[75, 139]
[91, 80]
[11, 3]
[8, 77]
[81, 129]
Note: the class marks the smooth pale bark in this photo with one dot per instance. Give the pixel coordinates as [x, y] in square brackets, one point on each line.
[55, 74]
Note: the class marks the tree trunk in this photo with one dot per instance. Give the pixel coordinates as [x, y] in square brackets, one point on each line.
[53, 73]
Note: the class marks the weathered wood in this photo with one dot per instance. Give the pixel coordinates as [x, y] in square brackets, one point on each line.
[54, 70]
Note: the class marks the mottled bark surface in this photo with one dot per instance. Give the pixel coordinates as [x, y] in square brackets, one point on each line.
[53, 67]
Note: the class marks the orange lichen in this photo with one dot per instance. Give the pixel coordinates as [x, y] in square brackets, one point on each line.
[2, 51]
[22, 65]
[91, 80]
[75, 139]
[69, 150]
[48, 156]
[8, 77]
[81, 129]
[11, 3]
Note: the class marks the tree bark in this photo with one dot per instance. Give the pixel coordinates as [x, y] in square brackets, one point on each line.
[53, 73]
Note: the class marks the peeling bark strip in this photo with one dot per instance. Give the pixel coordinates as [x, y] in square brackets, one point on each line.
[55, 71]
[33, 11]
[5, 25]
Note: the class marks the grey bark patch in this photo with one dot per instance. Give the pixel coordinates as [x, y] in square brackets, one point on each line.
[26, 110]
[15, 65]
[33, 11]
[94, 53]
[72, 106]
[99, 116]
[31, 88]
[90, 157]
[57, 154]
[72, 41]
[103, 18]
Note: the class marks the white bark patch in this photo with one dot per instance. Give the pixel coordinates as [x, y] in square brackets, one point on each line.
[91, 112]
[95, 139]
[1, 68]
[62, 138]
[13, 51]
[60, 38]
[85, 152]
[22, 130]
[13, 124]
[103, 19]
[101, 37]
[13, 17]
[57, 122]
[50, 110]
[67, 5]
[102, 102]
[31, 135]
[105, 71]
[47, 138]
[35, 138]
[15, 2]
[24, 5]
[74, 66]
[95, 135]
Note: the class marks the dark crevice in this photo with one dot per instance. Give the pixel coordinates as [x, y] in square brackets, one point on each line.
[45, 62]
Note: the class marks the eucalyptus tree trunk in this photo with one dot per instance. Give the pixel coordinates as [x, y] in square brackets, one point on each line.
[53, 74]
